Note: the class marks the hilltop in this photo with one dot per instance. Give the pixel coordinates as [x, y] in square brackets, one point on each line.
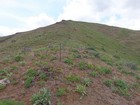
[76, 63]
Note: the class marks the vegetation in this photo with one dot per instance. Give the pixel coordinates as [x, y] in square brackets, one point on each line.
[86, 81]
[108, 82]
[61, 92]
[2, 86]
[121, 87]
[73, 78]
[43, 97]
[10, 102]
[30, 76]
[68, 61]
[87, 51]
[81, 89]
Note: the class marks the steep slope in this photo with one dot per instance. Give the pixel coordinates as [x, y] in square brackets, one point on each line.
[115, 41]
[80, 63]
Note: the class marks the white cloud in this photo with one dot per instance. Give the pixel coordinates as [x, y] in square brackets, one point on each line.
[27, 23]
[4, 30]
[122, 13]
[39, 21]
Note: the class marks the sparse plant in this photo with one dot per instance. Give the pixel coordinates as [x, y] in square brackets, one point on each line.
[41, 83]
[18, 58]
[59, 102]
[30, 76]
[14, 67]
[68, 61]
[77, 56]
[31, 73]
[94, 73]
[90, 66]
[43, 97]
[2, 86]
[108, 82]
[86, 81]
[104, 70]
[61, 92]
[73, 78]
[121, 87]
[81, 89]
[28, 82]
[131, 65]
[43, 76]
[83, 65]
[22, 63]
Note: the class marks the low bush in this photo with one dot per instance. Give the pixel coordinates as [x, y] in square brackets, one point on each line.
[81, 89]
[86, 81]
[61, 92]
[18, 58]
[28, 82]
[68, 61]
[2, 86]
[73, 78]
[108, 82]
[43, 97]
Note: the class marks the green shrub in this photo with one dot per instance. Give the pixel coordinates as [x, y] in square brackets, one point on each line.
[43, 76]
[94, 73]
[43, 97]
[104, 70]
[81, 89]
[2, 86]
[120, 83]
[73, 78]
[86, 81]
[108, 82]
[90, 66]
[83, 65]
[68, 61]
[77, 56]
[41, 83]
[22, 63]
[28, 81]
[61, 91]
[18, 58]
[121, 87]
[14, 67]
[106, 58]
[31, 73]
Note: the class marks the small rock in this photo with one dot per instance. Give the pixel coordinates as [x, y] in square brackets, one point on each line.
[4, 81]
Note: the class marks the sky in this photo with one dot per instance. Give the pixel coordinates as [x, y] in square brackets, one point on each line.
[23, 15]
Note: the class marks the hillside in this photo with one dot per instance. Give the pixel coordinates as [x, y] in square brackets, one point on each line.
[80, 63]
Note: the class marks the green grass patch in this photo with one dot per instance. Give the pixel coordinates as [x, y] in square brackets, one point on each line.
[43, 97]
[73, 78]
[10, 102]
[81, 89]
[61, 91]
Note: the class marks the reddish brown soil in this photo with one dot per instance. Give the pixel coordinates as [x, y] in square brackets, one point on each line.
[97, 92]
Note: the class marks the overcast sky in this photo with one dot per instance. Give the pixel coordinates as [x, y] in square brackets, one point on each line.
[23, 15]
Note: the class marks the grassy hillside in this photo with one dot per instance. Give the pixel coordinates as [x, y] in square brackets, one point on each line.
[96, 62]
[115, 41]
